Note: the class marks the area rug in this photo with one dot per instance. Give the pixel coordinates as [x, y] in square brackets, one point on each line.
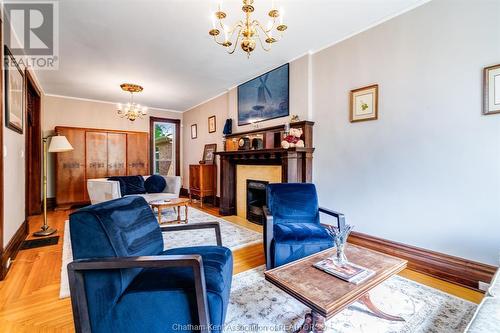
[258, 306]
[233, 237]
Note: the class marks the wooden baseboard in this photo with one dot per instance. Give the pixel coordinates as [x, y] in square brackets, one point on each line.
[456, 270]
[12, 248]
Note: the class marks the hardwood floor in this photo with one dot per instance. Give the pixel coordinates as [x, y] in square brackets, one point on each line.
[29, 296]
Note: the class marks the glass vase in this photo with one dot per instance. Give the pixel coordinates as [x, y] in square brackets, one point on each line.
[340, 257]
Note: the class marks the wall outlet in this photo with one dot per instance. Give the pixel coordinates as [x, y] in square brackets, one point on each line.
[483, 286]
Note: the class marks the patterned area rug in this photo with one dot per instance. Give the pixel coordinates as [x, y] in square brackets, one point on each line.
[258, 306]
[233, 237]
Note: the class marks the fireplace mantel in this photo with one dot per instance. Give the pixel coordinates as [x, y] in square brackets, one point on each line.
[296, 167]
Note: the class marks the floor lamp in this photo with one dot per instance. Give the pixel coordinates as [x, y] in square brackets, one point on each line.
[58, 144]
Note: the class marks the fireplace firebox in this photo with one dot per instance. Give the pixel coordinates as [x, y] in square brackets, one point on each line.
[256, 199]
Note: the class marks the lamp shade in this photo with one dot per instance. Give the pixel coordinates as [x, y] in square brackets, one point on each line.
[59, 144]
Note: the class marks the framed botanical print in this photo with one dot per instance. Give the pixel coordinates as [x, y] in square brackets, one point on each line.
[491, 90]
[194, 131]
[14, 93]
[364, 103]
[211, 124]
[208, 153]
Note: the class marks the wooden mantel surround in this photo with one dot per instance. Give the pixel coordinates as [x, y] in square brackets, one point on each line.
[296, 163]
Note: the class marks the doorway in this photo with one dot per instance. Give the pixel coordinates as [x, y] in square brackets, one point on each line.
[165, 146]
[33, 148]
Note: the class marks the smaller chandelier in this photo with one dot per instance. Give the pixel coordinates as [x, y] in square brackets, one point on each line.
[247, 30]
[131, 110]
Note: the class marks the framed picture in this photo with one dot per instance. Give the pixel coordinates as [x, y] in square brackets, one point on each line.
[491, 90]
[364, 103]
[194, 131]
[14, 93]
[212, 127]
[265, 97]
[208, 153]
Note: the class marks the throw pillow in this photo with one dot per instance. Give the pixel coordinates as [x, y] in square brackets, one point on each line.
[130, 184]
[155, 184]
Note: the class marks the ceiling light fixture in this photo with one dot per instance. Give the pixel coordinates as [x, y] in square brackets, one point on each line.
[131, 110]
[247, 30]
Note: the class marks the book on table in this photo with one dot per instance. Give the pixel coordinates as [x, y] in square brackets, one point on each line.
[349, 272]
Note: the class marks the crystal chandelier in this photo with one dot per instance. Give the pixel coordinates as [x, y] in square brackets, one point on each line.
[131, 110]
[248, 30]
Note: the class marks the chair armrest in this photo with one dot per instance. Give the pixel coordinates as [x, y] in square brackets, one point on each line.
[174, 184]
[204, 225]
[340, 217]
[101, 190]
[268, 235]
[77, 283]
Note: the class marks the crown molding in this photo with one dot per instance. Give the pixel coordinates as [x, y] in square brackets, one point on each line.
[105, 102]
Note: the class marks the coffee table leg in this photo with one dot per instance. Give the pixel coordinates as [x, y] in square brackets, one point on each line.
[313, 322]
[186, 213]
[159, 215]
[318, 322]
[306, 326]
[179, 214]
[366, 301]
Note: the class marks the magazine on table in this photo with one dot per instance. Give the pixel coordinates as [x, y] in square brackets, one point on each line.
[160, 202]
[349, 272]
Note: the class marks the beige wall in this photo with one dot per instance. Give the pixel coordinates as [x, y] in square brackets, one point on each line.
[193, 148]
[63, 111]
[14, 172]
[427, 172]
[226, 106]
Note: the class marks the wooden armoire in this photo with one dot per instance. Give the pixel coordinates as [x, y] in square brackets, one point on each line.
[97, 153]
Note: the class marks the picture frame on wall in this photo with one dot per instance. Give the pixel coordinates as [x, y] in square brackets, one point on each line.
[208, 153]
[194, 131]
[212, 125]
[491, 90]
[364, 103]
[14, 93]
[265, 97]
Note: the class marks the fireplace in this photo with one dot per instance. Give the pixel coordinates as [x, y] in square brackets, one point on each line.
[256, 199]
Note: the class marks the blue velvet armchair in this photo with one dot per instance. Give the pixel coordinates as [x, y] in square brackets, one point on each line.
[123, 281]
[292, 229]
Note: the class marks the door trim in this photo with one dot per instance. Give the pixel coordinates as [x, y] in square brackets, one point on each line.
[31, 82]
[177, 123]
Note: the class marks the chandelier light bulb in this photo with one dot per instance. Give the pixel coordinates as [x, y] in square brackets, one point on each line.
[131, 110]
[248, 32]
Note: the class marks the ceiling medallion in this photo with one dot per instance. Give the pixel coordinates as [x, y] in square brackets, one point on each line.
[247, 31]
[131, 110]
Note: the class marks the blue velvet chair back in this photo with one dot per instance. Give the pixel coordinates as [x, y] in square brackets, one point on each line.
[291, 202]
[117, 228]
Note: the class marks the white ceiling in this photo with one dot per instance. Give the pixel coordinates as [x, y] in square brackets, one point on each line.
[164, 45]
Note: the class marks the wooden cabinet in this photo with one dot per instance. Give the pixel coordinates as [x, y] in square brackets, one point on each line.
[70, 169]
[97, 154]
[117, 154]
[202, 181]
[137, 156]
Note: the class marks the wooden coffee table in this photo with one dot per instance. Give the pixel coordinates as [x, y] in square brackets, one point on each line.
[327, 295]
[172, 203]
